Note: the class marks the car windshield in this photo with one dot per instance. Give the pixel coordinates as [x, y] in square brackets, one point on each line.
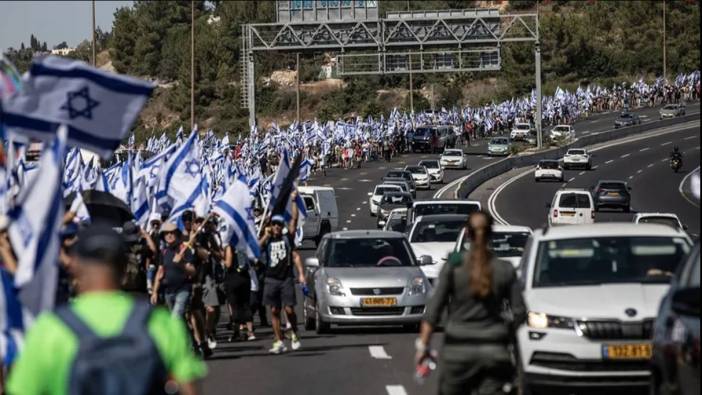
[444, 208]
[508, 244]
[522, 126]
[432, 164]
[561, 128]
[606, 260]
[626, 116]
[574, 200]
[383, 190]
[396, 198]
[612, 185]
[421, 132]
[453, 153]
[576, 152]
[402, 185]
[670, 107]
[499, 141]
[430, 232]
[547, 164]
[395, 174]
[669, 221]
[416, 169]
[367, 252]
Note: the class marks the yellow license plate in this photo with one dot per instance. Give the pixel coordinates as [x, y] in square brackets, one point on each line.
[613, 193]
[567, 213]
[627, 351]
[378, 302]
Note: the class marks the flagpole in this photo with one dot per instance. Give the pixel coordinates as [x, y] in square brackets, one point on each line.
[94, 58]
[192, 64]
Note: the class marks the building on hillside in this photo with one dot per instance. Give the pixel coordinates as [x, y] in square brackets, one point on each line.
[62, 51]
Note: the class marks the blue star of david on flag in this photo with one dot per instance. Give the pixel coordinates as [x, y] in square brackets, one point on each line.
[249, 214]
[192, 168]
[80, 104]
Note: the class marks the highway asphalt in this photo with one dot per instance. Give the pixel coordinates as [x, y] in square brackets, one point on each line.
[350, 360]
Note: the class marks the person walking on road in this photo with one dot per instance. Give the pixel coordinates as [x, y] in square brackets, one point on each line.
[79, 348]
[474, 285]
[279, 285]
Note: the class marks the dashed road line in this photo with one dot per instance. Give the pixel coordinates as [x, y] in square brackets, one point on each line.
[609, 161]
[664, 160]
[666, 143]
[395, 390]
[630, 177]
[639, 171]
[644, 149]
[581, 173]
[595, 167]
[353, 215]
[571, 180]
[650, 165]
[365, 180]
[344, 228]
[689, 137]
[378, 352]
[624, 156]
[358, 209]
[348, 221]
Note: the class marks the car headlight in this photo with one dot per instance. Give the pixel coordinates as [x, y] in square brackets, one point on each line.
[542, 321]
[335, 287]
[417, 286]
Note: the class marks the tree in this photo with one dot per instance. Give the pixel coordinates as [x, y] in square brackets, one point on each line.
[61, 45]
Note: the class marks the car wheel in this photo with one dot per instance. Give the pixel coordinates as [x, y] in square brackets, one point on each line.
[308, 320]
[321, 327]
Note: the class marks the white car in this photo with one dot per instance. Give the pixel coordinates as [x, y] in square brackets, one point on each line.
[507, 242]
[571, 206]
[377, 194]
[669, 219]
[322, 212]
[420, 175]
[432, 238]
[397, 220]
[562, 132]
[453, 158]
[593, 293]
[520, 131]
[548, 169]
[577, 157]
[436, 172]
[435, 207]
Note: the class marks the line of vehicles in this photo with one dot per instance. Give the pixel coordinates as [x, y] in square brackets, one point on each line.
[613, 304]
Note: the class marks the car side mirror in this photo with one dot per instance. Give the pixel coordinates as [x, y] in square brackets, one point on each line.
[312, 262]
[686, 301]
[425, 260]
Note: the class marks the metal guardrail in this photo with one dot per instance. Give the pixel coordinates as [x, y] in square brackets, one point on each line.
[478, 177]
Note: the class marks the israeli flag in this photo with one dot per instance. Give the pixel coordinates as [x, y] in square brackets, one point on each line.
[34, 229]
[98, 107]
[236, 211]
[180, 174]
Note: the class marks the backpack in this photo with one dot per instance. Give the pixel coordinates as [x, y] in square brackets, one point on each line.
[128, 363]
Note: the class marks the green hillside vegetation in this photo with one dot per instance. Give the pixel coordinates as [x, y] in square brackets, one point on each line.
[582, 42]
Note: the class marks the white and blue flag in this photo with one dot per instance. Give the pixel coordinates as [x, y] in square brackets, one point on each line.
[98, 107]
[236, 211]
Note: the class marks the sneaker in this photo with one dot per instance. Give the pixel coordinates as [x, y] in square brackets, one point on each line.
[251, 337]
[211, 342]
[295, 342]
[278, 347]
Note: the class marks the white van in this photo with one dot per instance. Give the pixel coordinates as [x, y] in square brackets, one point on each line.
[571, 206]
[322, 212]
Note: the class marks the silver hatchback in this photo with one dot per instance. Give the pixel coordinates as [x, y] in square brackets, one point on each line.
[361, 277]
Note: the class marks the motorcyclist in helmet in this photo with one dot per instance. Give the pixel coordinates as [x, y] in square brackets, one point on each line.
[676, 154]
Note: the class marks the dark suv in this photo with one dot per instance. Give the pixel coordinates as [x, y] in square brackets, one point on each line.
[426, 139]
[675, 366]
[614, 194]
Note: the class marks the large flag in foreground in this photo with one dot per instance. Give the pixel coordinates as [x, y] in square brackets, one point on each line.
[34, 229]
[98, 107]
[235, 208]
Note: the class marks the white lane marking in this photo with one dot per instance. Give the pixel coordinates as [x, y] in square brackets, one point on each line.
[584, 132]
[365, 180]
[680, 187]
[493, 197]
[571, 180]
[378, 352]
[644, 149]
[344, 179]
[344, 188]
[348, 221]
[382, 168]
[564, 184]
[395, 390]
[581, 173]
[689, 137]
[650, 165]
[609, 161]
[595, 167]
[353, 215]
[630, 177]
[364, 202]
[358, 209]
[666, 143]
[363, 173]
[639, 171]
[664, 160]
[624, 156]
[344, 228]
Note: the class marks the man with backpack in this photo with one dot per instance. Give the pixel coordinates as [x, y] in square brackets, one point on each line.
[105, 341]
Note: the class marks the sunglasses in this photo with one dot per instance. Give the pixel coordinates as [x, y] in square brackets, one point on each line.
[278, 224]
[172, 232]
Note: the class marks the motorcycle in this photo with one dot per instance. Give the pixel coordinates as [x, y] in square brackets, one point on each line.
[675, 164]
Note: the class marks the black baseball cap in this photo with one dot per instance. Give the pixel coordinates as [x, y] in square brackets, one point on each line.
[101, 244]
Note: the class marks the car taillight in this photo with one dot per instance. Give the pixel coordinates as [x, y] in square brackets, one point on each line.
[555, 213]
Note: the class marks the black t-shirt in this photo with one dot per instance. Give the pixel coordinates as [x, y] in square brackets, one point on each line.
[279, 257]
[175, 277]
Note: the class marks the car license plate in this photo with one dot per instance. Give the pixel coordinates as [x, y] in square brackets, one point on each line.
[613, 193]
[627, 351]
[378, 302]
[567, 213]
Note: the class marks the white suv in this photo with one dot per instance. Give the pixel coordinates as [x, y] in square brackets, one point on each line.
[571, 206]
[577, 157]
[593, 293]
[520, 131]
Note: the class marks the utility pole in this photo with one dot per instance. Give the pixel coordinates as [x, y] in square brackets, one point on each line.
[411, 93]
[192, 64]
[537, 61]
[94, 57]
[297, 84]
[665, 75]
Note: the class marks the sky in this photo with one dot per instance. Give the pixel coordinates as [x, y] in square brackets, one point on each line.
[53, 21]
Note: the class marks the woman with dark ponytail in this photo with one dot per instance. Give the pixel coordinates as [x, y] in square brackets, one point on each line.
[476, 287]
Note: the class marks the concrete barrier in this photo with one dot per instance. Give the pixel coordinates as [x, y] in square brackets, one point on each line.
[475, 179]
